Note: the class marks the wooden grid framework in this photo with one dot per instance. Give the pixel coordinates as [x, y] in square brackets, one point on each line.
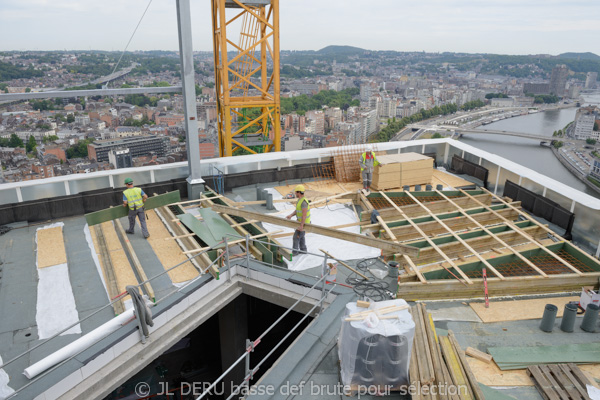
[247, 122]
[535, 268]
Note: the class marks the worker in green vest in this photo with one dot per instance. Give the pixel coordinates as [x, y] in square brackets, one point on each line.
[302, 214]
[367, 163]
[134, 198]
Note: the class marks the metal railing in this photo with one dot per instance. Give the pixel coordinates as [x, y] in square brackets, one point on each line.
[225, 257]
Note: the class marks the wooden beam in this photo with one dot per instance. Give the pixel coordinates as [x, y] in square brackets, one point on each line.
[133, 257]
[386, 228]
[431, 243]
[414, 268]
[480, 355]
[351, 237]
[231, 243]
[457, 237]
[541, 246]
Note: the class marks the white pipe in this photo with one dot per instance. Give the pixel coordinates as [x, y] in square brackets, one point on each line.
[80, 344]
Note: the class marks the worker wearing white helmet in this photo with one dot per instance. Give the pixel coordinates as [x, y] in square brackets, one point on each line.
[302, 213]
[367, 163]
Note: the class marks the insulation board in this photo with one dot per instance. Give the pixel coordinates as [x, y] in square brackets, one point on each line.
[50, 247]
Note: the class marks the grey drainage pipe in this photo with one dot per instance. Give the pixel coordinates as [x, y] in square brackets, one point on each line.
[590, 318]
[568, 319]
[549, 317]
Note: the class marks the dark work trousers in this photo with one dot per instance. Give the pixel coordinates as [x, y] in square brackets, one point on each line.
[299, 242]
[142, 217]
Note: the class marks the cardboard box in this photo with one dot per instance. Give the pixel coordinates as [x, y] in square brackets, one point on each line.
[588, 296]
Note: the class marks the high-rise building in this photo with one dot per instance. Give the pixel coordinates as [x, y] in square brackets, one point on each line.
[536, 88]
[584, 123]
[590, 80]
[319, 118]
[138, 146]
[365, 92]
[558, 80]
[120, 158]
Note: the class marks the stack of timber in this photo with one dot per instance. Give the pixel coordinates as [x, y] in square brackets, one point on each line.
[559, 381]
[397, 170]
[438, 366]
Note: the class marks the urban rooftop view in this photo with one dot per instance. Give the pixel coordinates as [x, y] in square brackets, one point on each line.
[195, 205]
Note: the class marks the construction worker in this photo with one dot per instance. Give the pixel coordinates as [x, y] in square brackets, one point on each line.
[367, 163]
[302, 213]
[134, 198]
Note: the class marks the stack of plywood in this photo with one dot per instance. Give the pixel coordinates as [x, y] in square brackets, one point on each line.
[397, 170]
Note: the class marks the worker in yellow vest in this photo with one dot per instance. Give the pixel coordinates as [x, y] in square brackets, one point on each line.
[134, 198]
[302, 214]
[367, 163]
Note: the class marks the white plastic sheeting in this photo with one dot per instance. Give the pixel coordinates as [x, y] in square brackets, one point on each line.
[90, 242]
[5, 390]
[376, 351]
[55, 308]
[324, 215]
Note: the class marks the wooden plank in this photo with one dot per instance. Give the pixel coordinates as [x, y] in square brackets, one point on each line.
[122, 267]
[564, 382]
[413, 373]
[345, 265]
[543, 385]
[562, 394]
[480, 355]
[509, 223]
[432, 344]
[431, 243]
[478, 394]
[582, 390]
[351, 237]
[419, 348]
[229, 243]
[428, 356]
[107, 268]
[454, 366]
[120, 211]
[457, 237]
[579, 375]
[414, 269]
[133, 257]
[386, 228]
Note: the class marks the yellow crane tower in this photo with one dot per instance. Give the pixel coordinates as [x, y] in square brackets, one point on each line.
[247, 80]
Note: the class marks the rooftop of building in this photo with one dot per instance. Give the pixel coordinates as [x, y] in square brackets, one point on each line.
[185, 300]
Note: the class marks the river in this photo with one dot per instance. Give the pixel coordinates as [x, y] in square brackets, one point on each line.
[528, 152]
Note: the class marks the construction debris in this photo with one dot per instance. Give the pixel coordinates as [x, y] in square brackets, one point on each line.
[559, 381]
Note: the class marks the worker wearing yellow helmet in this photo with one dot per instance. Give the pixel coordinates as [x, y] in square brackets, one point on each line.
[302, 213]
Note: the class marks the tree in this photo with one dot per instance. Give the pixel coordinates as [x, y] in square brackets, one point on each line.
[436, 136]
[596, 126]
[15, 141]
[31, 143]
[590, 141]
[70, 118]
[27, 90]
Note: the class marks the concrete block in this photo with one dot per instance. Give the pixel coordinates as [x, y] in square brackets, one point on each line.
[127, 343]
[64, 385]
[97, 363]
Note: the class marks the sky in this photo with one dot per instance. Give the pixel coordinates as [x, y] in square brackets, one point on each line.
[469, 26]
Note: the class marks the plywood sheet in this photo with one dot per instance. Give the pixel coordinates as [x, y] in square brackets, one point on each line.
[449, 180]
[321, 189]
[123, 271]
[491, 375]
[50, 247]
[168, 251]
[519, 309]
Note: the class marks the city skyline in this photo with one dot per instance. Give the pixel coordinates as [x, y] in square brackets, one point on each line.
[467, 26]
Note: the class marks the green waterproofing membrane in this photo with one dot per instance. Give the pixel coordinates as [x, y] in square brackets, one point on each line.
[495, 262]
[469, 235]
[211, 229]
[508, 358]
[268, 252]
[119, 211]
[493, 394]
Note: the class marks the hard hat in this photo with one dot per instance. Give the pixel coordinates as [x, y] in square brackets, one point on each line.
[299, 188]
[369, 148]
[128, 181]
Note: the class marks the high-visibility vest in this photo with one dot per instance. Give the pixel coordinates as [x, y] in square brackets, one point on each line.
[299, 210]
[134, 198]
[364, 161]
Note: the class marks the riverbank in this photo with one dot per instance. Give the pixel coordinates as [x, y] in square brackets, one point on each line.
[573, 170]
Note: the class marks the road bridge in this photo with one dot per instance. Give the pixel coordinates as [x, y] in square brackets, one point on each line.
[463, 131]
